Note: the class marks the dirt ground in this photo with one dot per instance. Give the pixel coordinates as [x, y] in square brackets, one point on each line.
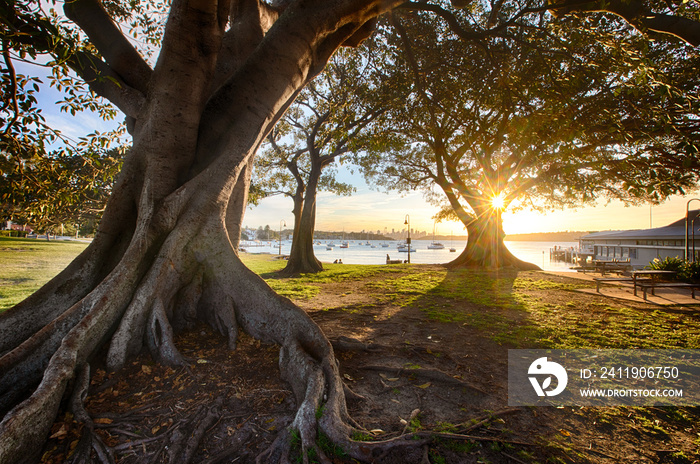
[415, 372]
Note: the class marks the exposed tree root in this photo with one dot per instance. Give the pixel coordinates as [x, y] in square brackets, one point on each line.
[486, 419]
[89, 441]
[343, 343]
[469, 259]
[185, 440]
[463, 437]
[242, 436]
[194, 272]
[429, 374]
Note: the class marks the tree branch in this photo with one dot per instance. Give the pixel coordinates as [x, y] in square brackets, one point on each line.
[635, 13]
[117, 51]
[106, 83]
[249, 22]
[13, 86]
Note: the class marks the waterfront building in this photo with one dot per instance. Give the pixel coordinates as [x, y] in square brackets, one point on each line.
[640, 247]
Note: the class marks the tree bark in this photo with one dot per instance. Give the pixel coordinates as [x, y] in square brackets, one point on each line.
[485, 243]
[301, 257]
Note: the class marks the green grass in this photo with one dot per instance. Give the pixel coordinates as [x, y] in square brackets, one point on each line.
[306, 286]
[510, 308]
[27, 264]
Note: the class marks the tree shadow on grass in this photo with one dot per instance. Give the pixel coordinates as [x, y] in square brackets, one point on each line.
[462, 322]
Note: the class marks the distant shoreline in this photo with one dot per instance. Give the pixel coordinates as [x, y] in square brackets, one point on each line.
[548, 236]
[532, 237]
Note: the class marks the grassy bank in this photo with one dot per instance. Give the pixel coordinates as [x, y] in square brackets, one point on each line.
[27, 264]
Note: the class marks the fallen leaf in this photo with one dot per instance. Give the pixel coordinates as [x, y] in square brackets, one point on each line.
[61, 432]
[376, 431]
[425, 385]
[202, 361]
[146, 369]
[565, 433]
[103, 420]
[348, 377]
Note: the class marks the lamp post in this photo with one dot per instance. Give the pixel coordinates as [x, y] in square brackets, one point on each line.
[687, 212]
[692, 226]
[285, 225]
[407, 222]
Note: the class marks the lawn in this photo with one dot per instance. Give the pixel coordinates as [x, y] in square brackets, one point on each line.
[27, 264]
[431, 360]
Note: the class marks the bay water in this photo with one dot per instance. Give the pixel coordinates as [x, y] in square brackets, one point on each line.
[359, 252]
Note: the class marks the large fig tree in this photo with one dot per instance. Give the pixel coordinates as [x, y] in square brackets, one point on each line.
[540, 113]
[164, 254]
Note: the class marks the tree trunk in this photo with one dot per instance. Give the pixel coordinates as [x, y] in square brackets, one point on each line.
[485, 247]
[302, 258]
[164, 254]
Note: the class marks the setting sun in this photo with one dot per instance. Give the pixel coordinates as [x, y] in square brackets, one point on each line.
[497, 201]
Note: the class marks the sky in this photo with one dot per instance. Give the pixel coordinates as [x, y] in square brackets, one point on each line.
[370, 210]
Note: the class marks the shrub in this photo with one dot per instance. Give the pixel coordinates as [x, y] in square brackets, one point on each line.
[13, 233]
[687, 271]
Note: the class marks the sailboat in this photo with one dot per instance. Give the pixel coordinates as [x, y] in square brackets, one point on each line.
[452, 249]
[435, 245]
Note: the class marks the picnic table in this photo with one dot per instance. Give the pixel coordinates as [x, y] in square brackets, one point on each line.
[653, 278]
[640, 278]
[648, 279]
[604, 266]
[658, 279]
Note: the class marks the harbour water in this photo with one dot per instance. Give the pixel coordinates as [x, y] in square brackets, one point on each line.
[359, 252]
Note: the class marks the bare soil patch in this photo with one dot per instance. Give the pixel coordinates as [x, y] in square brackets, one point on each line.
[419, 360]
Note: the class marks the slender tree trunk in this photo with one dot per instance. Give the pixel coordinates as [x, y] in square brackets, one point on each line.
[302, 258]
[237, 206]
[297, 206]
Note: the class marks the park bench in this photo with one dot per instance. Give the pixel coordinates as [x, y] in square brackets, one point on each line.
[646, 285]
[605, 280]
[617, 267]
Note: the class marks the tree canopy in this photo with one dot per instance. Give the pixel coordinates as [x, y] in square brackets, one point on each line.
[47, 177]
[545, 114]
[322, 129]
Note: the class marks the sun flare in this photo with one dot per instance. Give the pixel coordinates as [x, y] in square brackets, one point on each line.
[498, 202]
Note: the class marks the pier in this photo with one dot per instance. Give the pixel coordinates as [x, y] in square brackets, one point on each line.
[571, 255]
